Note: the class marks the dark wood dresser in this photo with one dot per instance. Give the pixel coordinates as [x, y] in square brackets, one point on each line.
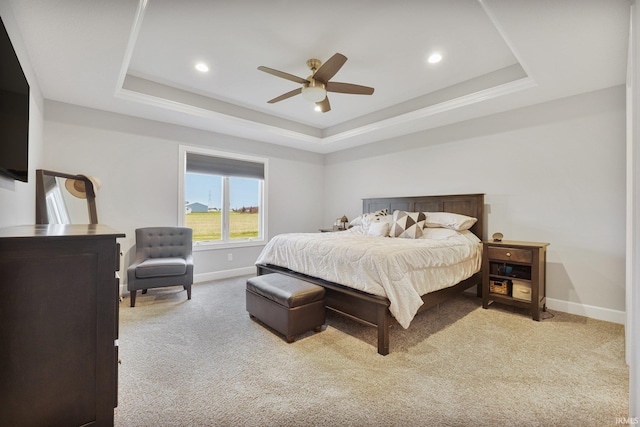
[58, 325]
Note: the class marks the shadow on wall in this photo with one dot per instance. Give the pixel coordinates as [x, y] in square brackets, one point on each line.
[594, 279]
[127, 258]
[559, 284]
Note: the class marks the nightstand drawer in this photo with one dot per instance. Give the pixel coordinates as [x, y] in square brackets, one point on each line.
[509, 254]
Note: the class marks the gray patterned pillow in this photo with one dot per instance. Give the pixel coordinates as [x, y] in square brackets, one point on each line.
[408, 224]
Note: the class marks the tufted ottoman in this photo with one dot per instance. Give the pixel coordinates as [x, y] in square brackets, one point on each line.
[290, 306]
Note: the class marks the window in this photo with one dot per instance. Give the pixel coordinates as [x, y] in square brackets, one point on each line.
[222, 197]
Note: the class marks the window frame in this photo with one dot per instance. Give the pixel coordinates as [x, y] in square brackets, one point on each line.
[225, 242]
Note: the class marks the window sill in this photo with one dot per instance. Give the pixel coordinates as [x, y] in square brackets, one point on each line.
[208, 246]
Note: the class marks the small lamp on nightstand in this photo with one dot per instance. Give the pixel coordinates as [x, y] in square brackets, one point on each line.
[343, 221]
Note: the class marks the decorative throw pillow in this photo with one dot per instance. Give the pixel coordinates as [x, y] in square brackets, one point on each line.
[408, 224]
[450, 220]
[380, 228]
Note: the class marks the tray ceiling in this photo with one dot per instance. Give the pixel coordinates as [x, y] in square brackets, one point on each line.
[138, 58]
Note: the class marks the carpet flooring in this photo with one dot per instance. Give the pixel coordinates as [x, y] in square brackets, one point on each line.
[204, 362]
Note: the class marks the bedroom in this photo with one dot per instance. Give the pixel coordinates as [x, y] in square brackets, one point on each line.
[551, 171]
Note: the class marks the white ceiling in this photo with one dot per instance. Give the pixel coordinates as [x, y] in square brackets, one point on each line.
[138, 58]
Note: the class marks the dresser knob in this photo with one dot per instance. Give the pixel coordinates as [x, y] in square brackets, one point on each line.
[508, 253]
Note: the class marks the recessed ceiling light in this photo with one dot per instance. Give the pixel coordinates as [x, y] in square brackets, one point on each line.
[202, 67]
[317, 108]
[434, 58]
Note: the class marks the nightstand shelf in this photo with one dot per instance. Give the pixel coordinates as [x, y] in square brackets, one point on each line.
[516, 271]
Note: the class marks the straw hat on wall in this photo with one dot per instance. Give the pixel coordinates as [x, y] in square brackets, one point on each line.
[78, 188]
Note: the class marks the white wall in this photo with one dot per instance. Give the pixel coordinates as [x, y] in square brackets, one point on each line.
[137, 162]
[553, 173]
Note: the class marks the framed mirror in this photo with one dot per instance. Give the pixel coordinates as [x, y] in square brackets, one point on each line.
[65, 199]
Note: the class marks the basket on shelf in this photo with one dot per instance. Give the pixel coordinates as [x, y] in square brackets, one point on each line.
[500, 286]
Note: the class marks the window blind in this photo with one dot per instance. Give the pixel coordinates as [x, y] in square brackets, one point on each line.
[200, 163]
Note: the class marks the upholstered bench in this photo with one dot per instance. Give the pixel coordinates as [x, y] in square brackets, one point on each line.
[290, 306]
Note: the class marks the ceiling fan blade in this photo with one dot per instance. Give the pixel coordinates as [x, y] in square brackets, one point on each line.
[283, 75]
[330, 68]
[285, 96]
[349, 88]
[324, 105]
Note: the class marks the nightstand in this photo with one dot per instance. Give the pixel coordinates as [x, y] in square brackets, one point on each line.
[514, 273]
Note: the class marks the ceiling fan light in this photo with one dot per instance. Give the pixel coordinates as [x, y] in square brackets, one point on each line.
[202, 67]
[435, 58]
[314, 93]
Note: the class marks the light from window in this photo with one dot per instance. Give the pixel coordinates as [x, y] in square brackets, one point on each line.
[223, 198]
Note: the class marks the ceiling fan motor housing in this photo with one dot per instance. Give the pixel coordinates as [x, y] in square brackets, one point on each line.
[314, 64]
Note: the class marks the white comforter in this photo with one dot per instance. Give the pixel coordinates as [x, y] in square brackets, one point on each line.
[400, 269]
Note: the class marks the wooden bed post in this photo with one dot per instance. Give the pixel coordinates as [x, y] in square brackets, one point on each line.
[384, 323]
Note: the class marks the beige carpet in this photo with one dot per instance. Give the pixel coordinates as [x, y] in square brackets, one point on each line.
[204, 362]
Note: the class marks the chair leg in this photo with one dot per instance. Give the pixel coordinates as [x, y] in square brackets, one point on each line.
[188, 288]
[133, 298]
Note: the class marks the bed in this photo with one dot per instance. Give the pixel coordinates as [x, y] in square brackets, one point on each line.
[361, 301]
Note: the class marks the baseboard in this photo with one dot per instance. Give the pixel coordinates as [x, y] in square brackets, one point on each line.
[600, 313]
[224, 274]
[207, 277]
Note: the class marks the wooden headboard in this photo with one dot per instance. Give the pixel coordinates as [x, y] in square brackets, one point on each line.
[464, 204]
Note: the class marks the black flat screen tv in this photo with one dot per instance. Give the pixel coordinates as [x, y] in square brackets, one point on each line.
[14, 113]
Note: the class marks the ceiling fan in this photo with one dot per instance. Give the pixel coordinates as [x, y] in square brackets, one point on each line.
[315, 87]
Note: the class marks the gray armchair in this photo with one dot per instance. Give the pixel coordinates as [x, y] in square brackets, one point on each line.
[163, 258]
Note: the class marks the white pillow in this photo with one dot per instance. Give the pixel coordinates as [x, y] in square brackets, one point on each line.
[370, 218]
[380, 228]
[449, 220]
[360, 220]
[407, 224]
[438, 233]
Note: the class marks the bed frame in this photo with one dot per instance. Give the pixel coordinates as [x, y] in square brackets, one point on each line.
[372, 309]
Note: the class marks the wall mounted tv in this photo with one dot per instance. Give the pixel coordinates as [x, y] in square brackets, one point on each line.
[14, 112]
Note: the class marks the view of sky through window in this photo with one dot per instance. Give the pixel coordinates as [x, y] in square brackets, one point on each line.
[207, 189]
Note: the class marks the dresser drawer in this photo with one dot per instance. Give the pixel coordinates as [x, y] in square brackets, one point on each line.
[510, 254]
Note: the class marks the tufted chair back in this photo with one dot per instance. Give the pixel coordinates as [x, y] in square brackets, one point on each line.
[164, 242]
